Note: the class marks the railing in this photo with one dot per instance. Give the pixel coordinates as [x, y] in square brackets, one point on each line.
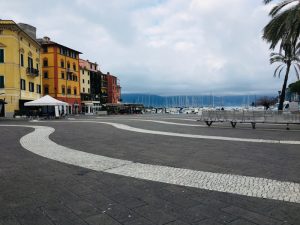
[32, 72]
[246, 116]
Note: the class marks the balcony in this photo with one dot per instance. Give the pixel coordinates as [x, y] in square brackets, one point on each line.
[32, 72]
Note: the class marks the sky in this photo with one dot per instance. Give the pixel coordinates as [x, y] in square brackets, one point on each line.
[164, 47]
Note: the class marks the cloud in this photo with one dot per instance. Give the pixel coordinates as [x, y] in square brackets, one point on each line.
[162, 46]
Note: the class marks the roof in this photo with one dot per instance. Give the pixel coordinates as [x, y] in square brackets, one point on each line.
[13, 23]
[45, 101]
[49, 42]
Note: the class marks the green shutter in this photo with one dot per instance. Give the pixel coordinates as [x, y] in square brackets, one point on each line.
[1, 55]
[1, 81]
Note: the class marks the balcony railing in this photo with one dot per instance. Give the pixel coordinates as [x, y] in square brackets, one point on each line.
[32, 72]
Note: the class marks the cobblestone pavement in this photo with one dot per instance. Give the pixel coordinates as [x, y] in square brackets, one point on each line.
[37, 190]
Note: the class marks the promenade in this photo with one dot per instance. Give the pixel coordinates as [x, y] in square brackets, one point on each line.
[148, 169]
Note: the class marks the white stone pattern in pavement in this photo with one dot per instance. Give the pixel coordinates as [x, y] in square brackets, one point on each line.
[222, 138]
[39, 143]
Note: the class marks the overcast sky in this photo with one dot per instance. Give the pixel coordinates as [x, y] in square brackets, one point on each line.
[162, 47]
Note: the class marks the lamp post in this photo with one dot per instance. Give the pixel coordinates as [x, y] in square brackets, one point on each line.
[279, 93]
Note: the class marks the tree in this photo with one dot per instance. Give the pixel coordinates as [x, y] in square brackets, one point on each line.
[284, 30]
[295, 87]
[266, 101]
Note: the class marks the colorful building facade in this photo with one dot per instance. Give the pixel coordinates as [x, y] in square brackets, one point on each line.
[113, 89]
[104, 89]
[60, 73]
[20, 76]
[90, 86]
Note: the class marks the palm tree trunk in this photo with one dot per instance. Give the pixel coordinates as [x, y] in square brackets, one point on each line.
[282, 96]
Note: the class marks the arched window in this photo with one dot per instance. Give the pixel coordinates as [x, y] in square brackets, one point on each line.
[75, 91]
[69, 90]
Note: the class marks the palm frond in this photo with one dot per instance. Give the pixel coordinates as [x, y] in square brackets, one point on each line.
[280, 72]
[297, 72]
[267, 1]
[278, 67]
[276, 9]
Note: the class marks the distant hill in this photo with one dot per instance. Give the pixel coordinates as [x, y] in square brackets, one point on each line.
[189, 101]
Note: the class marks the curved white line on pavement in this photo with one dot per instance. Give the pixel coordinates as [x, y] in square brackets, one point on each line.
[197, 136]
[39, 143]
[170, 123]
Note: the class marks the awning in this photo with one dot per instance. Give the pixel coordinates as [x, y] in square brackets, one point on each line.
[46, 101]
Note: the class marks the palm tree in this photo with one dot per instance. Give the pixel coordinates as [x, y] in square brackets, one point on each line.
[284, 29]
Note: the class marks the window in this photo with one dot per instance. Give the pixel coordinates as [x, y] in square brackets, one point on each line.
[75, 91]
[83, 90]
[62, 64]
[1, 81]
[88, 90]
[37, 66]
[31, 87]
[69, 90]
[30, 62]
[22, 59]
[38, 88]
[62, 75]
[45, 62]
[63, 90]
[83, 72]
[88, 81]
[45, 49]
[74, 67]
[83, 81]
[46, 90]
[46, 74]
[68, 65]
[23, 85]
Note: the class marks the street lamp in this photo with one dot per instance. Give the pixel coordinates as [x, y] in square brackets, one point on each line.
[279, 93]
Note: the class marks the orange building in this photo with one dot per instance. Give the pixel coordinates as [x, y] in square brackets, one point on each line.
[113, 89]
[60, 72]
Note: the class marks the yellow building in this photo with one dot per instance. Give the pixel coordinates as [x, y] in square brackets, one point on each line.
[20, 77]
[60, 72]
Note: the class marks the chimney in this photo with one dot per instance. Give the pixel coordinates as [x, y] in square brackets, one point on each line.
[46, 39]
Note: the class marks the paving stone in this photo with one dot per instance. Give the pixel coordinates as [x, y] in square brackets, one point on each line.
[83, 208]
[31, 182]
[241, 222]
[34, 218]
[154, 215]
[214, 213]
[8, 220]
[98, 200]
[139, 221]
[207, 222]
[121, 213]
[177, 222]
[251, 216]
[101, 219]
[127, 201]
[61, 215]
